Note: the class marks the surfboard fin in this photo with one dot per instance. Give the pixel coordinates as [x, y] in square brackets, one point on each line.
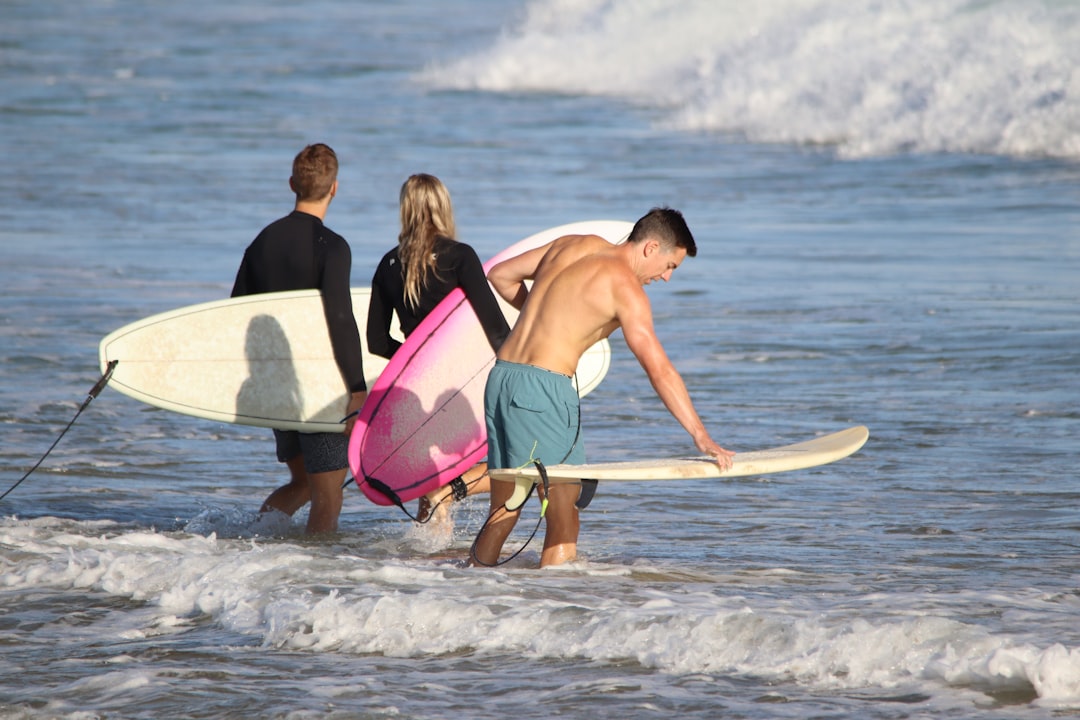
[522, 489]
[588, 491]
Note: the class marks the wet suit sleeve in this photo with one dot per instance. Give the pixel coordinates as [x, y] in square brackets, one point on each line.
[473, 281]
[337, 306]
[240, 285]
[380, 314]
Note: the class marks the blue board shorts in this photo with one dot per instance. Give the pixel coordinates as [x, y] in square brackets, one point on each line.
[323, 452]
[531, 414]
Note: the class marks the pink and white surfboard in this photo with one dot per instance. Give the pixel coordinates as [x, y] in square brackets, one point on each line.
[423, 422]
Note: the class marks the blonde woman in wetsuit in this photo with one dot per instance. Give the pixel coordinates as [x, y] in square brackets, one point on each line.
[413, 278]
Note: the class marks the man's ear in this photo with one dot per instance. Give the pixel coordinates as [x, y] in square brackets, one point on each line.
[291, 185]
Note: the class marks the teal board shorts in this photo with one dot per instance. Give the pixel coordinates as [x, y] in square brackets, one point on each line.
[531, 414]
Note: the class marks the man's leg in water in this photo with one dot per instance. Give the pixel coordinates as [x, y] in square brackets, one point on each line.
[495, 531]
[563, 524]
[326, 500]
[293, 495]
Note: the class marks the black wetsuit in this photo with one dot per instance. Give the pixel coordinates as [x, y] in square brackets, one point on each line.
[298, 252]
[458, 266]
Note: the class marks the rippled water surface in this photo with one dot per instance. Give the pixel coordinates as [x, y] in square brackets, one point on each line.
[890, 248]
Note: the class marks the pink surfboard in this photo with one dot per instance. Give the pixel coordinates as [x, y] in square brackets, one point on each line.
[423, 422]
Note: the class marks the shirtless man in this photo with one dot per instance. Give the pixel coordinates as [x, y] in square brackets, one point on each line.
[583, 289]
[298, 252]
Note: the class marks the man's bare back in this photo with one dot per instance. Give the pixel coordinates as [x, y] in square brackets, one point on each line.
[570, 299]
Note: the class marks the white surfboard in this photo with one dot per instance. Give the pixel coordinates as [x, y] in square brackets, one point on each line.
[809, 453]
[263, 360]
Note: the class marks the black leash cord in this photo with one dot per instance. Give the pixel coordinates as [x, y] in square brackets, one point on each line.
[543, 510]
[393, 496]
[458, 492]
[94, 392]
[490, 517]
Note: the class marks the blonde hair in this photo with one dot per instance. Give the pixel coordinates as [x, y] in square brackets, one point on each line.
[426, 215]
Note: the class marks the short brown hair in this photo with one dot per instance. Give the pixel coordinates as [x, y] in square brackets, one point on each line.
[314, 171]
[668, 227]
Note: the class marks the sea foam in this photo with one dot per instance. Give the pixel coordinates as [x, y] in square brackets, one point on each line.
[290, 596]
[866, 77]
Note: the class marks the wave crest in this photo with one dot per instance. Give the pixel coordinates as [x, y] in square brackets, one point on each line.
[868, 77]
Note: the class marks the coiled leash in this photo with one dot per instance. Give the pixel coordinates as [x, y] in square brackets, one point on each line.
[94, 392]
[536, 528]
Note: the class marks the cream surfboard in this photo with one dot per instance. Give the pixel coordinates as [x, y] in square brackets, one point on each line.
[809, 453]
[263, 360]
[423, 422]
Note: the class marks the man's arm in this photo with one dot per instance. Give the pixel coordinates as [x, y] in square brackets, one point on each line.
[508, 277]
[635, 315]
[240, 284]
[340, 320]
[344, 335]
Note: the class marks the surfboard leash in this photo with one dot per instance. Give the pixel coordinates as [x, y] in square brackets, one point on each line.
[389, 494]
[536, 528]
[459, 490]
[94, 392]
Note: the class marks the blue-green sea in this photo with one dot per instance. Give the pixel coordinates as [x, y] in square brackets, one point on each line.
[886, 201]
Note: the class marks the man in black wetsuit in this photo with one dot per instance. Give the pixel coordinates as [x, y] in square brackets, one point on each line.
[298, 252]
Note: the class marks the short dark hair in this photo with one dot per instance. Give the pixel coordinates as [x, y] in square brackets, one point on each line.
[667, 226]
[314, 171]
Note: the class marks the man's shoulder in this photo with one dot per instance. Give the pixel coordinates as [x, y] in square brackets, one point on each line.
[326, 232]
[576, 248]
[586, 240]
[334, 243]
[272, 228]
[288, 226]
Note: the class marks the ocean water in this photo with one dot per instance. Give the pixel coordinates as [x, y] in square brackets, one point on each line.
[886, 198]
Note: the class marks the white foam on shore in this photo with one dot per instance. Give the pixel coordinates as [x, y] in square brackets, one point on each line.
[298, 597]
